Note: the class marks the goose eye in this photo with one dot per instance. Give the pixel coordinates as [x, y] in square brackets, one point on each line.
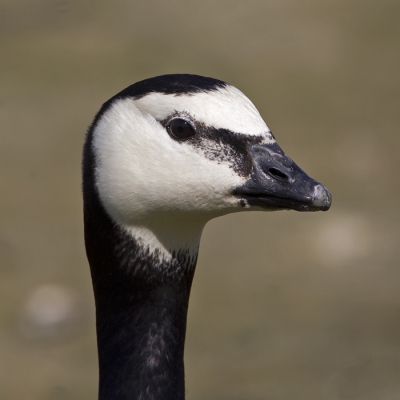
[180, 129]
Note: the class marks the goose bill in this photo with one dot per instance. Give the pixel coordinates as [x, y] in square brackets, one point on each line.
[277, 183]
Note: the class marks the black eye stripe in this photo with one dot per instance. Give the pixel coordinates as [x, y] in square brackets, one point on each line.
[224, 146]
[217, 144]
[180, 129]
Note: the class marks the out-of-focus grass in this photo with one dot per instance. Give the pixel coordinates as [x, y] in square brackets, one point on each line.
[284, 305]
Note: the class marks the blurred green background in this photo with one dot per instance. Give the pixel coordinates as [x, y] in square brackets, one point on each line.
[284, 305]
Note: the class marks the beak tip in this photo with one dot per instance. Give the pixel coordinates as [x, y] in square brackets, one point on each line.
[322, 199]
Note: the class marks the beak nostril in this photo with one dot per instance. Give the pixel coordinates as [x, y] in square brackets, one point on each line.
[275, 173]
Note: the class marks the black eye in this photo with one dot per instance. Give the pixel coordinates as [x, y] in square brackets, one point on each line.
[180, 129]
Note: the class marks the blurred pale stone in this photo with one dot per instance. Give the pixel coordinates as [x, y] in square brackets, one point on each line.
[51, 311]
[342, 238]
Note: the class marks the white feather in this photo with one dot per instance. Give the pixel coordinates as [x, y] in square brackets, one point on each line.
[226, 108]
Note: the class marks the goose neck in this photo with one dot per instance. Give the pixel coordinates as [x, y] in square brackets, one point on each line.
[141, 328]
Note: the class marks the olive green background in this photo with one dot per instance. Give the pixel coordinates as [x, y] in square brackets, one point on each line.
[285, 306]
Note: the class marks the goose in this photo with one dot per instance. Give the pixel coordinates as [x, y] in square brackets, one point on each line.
[161, 158]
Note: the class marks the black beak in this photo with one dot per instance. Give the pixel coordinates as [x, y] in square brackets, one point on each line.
[277, 183]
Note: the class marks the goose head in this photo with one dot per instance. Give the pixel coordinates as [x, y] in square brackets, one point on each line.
[174, 151]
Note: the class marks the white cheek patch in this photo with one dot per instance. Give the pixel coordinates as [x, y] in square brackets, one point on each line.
[143, 174]
[225, 108]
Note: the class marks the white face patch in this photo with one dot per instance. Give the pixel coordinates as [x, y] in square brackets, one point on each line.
[148, 181]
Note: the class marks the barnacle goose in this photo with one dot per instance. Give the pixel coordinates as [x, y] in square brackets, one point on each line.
[161, 158]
